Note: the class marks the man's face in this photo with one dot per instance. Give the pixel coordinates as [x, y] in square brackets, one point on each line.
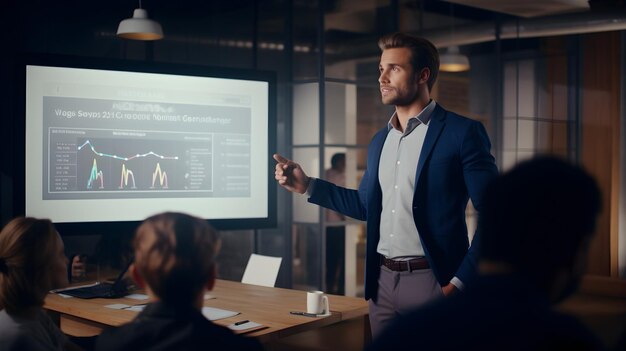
[398, 81]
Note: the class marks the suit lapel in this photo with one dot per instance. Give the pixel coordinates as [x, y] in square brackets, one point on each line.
[435, 126]
[378, 142]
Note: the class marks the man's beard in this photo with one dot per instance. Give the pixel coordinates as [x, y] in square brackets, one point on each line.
[397, 100]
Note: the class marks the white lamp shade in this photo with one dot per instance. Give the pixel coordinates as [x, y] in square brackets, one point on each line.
[453, 61]
[140, 27]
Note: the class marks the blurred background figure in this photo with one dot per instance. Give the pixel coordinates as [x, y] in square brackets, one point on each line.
[97, 257]
[77, 267]
[336, 233]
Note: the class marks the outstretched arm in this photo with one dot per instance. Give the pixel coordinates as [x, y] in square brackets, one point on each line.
[290, 175]
[348, 202]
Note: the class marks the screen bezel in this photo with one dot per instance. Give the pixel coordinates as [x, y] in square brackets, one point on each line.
[90, 228]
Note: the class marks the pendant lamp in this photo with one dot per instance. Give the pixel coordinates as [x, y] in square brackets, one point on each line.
[453, 61]
[140, 27]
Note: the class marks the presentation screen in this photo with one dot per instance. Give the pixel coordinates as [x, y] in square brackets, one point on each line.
[121, 141]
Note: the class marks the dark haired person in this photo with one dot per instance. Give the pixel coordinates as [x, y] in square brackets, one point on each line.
[32, 262]
[422, 168]
[537, 222]
[336, 231]
[175, 262]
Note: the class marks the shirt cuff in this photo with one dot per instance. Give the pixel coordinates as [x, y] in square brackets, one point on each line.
[458, 283]
[311, 187]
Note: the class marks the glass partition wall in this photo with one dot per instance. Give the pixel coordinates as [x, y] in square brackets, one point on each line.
[343, 69]
[539, 85]
[547, 92]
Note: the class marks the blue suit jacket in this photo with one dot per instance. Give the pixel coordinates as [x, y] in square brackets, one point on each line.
[454, 165]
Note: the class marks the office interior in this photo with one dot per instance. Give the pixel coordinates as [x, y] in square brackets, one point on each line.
[544, 77]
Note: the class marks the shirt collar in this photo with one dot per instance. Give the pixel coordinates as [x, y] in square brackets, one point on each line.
[421, 118]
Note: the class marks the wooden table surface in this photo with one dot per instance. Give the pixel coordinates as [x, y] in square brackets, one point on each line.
[267, 306]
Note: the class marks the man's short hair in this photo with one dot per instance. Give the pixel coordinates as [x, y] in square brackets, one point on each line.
[336, 159]
[536, 216]
[423, 53]
[175, 254]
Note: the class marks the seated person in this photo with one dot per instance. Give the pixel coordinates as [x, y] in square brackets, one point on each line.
[32, 262]
[536, 225]
[109, 252]
[77, 267]
[175, 262]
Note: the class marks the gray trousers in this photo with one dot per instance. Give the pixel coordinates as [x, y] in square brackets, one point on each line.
[400, 292]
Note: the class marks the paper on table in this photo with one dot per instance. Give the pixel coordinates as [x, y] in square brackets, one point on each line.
[136, 308]
[74, 287]
[210, 313]
[117, 306]
[248, 326]
[121, 306]
[261, 270]
[137, 296]
[214, 314]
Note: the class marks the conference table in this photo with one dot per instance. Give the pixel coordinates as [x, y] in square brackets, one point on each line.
[267, 306]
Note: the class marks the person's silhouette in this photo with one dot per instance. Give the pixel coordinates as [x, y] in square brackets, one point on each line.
[336, 232]
[175, 261]
[32, 262]
[537, 222]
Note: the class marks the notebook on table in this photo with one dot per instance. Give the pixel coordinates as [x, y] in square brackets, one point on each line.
[101, 289]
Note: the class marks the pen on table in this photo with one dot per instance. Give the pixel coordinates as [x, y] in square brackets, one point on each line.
[306, 314]
[242, 322]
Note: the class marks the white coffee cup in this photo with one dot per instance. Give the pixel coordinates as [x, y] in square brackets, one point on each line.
[317, 303]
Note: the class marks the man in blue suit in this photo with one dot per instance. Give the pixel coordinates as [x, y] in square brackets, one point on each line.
[421, 170]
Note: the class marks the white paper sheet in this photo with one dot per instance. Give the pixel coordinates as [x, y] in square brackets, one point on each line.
[214, 314]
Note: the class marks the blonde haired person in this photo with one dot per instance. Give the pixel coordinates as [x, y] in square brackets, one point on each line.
[32, 262]
[175, 262]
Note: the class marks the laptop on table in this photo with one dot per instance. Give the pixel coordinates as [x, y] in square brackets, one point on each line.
[101, 289]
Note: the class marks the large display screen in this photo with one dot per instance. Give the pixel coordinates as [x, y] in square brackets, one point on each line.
[121, 142]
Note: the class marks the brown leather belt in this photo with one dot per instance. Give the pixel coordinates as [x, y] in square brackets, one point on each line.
[401, 266]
